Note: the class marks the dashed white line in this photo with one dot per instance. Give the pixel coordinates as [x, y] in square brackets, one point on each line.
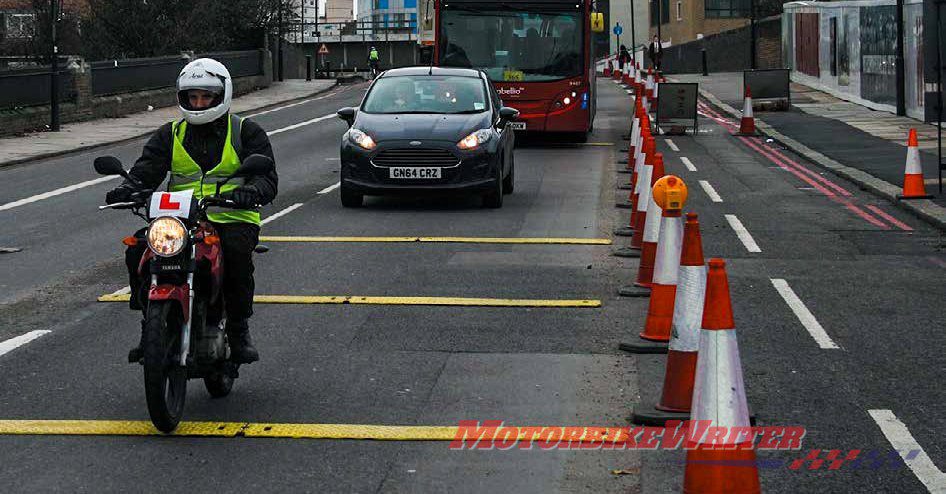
[330, 188]
[804, 315]
[687, 163]
[710, 191]
[742, 233]
[300, 124]
[911, 452]
[281, 213]
[271, 110]
[18, 341]
[54, 193]
[671, 145]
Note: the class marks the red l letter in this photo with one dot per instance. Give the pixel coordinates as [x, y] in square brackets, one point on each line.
[167, 204]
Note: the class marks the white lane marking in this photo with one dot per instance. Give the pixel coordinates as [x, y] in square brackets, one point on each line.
[122, 291]
[18, 341]
[804, 315]
[710, 191]
[54, 193]
[629, 91]
[281, 213]
[671, 145]
[330, 188]
[902, 441]
[332, 159]
[300, 124]
[742, 233]
[687, 163]
[271, 110]
[87, 183]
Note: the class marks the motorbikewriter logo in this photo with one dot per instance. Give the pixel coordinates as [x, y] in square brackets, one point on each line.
[494, 434]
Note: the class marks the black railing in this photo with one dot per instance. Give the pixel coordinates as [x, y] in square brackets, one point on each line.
[30, 87]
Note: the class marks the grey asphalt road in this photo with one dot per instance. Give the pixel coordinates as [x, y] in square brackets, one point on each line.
[874, 287]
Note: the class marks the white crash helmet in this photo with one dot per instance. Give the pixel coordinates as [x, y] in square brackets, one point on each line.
[209, 75]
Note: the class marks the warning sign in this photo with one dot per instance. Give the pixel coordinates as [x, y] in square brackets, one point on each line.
[323, 50]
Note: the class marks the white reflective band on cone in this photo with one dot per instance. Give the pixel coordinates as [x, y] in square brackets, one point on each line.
[637, 140]
[719, 394]
[652, 222]
[747, 108]
[688, 309]
[634, 127]
[638, 162]
[669, 247]
[913, 161]
[644, 190]
[656, 89]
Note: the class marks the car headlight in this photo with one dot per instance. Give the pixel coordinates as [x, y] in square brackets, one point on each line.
[167, 236]
[361, 139]
[475, 139]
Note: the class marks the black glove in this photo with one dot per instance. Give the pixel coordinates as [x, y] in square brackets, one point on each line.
[122, 193]
[245, 197]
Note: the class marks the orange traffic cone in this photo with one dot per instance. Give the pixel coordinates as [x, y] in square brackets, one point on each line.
[642, 169]
[913, 186]
[682, 353]
[638, 80]
[645, 180]
[747, 124]
[649, 234]
[717, 465]
[669, 194]
[608, 68]
[616, 74]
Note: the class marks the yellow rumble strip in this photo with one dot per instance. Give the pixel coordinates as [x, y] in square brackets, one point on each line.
[356, 300]
[443, 240]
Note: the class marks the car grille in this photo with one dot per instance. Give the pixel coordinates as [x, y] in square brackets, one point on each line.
[415, 157]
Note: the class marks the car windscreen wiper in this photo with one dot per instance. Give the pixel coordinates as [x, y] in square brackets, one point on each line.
[466, 112]
[417, 113]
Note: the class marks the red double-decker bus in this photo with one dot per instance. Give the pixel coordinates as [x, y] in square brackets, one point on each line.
[536, 52]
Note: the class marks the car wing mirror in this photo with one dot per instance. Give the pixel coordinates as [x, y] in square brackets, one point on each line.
[347, 114]
[508, 114]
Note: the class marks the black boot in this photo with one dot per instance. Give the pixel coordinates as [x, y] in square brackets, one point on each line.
[136, 354]
[242, 350]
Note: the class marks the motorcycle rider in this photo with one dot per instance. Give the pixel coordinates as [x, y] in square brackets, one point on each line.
[208, 142]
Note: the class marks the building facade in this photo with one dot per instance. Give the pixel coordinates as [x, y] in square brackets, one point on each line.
[682, 21]
[387, 15]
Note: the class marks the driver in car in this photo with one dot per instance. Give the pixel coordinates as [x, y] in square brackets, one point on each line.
[208, 144]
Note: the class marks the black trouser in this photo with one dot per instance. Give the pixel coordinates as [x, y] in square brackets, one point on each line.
[237, 241]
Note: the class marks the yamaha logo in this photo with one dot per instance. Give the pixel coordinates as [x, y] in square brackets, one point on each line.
[415, 143]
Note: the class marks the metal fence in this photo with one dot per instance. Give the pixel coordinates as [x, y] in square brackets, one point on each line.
[29, 87]
[142, 74]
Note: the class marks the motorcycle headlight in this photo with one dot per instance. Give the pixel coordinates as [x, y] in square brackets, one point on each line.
[473, 140]
[167, 236]
[360, 138]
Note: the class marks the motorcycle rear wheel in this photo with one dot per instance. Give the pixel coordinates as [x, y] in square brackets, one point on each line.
[165, 379]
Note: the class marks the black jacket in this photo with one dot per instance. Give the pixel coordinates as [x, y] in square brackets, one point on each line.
[205, 144]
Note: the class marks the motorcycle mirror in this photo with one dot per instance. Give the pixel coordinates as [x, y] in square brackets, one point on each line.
[255, 165]
[109, 165]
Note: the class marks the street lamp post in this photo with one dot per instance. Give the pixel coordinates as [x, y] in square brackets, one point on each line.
[279, 34]
[54, 67]
[752, 35]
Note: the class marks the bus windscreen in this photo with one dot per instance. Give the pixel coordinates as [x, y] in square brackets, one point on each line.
[512, 44]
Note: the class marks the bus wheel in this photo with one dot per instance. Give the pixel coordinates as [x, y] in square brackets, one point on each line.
[580, 137]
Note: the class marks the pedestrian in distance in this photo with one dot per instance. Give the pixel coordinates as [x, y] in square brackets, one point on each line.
[207, 144]
[623, 57]
[656, 52]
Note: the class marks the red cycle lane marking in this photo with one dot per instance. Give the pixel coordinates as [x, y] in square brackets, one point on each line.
[799, 171]
[899, 224]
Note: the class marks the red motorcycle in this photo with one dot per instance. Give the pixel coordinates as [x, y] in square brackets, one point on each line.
[185, 265]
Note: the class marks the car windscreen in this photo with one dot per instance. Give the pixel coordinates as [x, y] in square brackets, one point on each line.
[512, 44]
[426, 94]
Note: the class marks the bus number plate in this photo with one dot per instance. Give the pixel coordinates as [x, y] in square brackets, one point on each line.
[517, 125]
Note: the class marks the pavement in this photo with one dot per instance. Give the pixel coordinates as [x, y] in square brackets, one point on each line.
[92, 133]
[858, 143]
[868, 274]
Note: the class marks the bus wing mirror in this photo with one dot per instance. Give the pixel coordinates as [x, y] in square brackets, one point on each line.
[597, 22]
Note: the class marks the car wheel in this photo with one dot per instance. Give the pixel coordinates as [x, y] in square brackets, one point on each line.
[494, 198]
[350, 198]
[509, 183]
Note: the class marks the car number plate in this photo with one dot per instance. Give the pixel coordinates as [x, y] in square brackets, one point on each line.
[517, 125]
[414, 172]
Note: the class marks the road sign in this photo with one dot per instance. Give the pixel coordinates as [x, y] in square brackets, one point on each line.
[323, 50]
[618, 30]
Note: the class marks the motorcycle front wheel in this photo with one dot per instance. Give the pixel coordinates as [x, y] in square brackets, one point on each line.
[165, 379]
